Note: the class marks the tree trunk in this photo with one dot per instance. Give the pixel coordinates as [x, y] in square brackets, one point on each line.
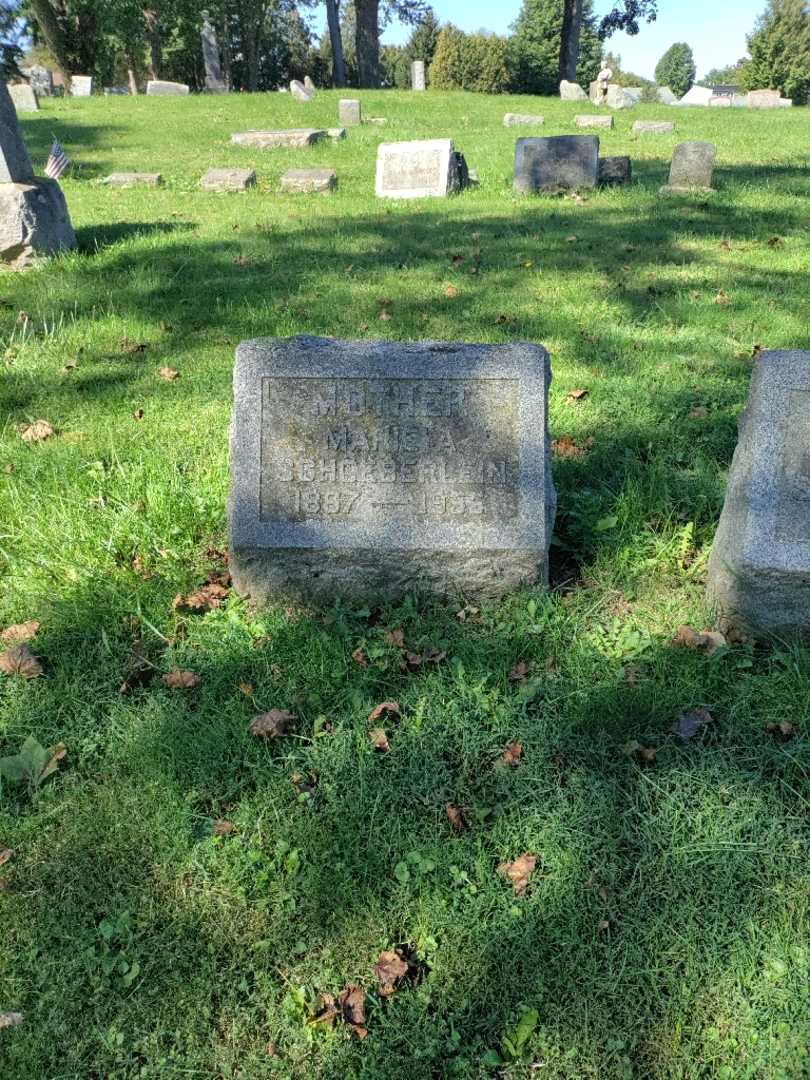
[338, 62]
[150, 17]
[368, 42]
[225, 49]
[251, 20]
[569, 39]
[54, 36]
[133, 82]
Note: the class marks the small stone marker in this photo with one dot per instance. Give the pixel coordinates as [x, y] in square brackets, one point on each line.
[571, 91]
[350, 111]
[40, 78]
[309, 84]
[133, 179]
[785, 103]
[522, 120]
[759, 570]
[336, 134]
[34, 218]
[615, 170]
[622, 97]
[418, 170]
[301, 92]
[214, 82]
[764, 99]
[374, 469]
[697, 95]
[720, 101]
[593, 121]
[653, 127]
[269, 140]
[665, 95]
[418, 75]
[81, 85]
[159, 87]
[692, 168]
[24, 97]
[228, 180]
[557, 163]
[308, 181]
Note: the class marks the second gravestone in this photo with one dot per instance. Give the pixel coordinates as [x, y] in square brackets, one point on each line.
[371, 469]
[557, 163]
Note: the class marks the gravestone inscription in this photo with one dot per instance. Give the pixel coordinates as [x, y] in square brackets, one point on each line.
[24, 97]
[417, 170]
[81, 85]
[759, 570]
[350, 111]
[376, 468]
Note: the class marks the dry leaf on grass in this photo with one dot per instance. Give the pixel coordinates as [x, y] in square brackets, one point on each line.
[689, 723]
[168, 374]
[138, 414]
[576, 395]
[271, 725]
[644, 755]
[519, 672]
[396, 638]
[353, 1009]
[36, 432]
[512, 754]
[19, 633]
[5, 855]
[708, 640]
[385, 708]
[455, 817]
[783, 730]
[379, 740]
[519, 872]
[209, 596]
[19, 660]
[566, 447]
[390, 970]
[10, 1019]
[450, 290]
[181, 680]
[360, 657]
[223, 827]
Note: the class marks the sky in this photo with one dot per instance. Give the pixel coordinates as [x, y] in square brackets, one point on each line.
[716, 29]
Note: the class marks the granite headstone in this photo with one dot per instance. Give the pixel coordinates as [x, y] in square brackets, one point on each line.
[556, 163]
[24, 97]
[759, 570]
[523, 120]
[653, 127]
[163, 88]
[589, 120]
[350, 111]
[692, 167]
[372, 469]
[228, 180]
[764, 99]
[301, 92]
[81, 85]
[418, 75]
[309, 181]
[214, 82]
[571, 91]
[270, 140]
[418, 170]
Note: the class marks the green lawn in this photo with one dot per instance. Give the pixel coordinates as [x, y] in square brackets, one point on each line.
[664, 932]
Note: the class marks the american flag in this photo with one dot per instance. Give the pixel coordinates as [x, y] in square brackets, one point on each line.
[57, 162]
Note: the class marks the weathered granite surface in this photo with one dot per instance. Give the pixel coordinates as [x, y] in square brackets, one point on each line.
[615, 170]
[587, 121]
[309, 84]
[697, 95]
[653, 127]
[34, 223]
[418, 75]
[301, 92]
[269, 140]
[665, 95]
[764, 99]
[24, 97]
[556, 163]
[571, 91]
[692, 167]
[214, 81]
[350, 111]
[522, 120]
[160, 87]
[720, 101]
[133, 179]
[15, 164]
[41, 79]
[228, 180]
[308, 181]
[622, 97]
[81, 85]
[759, 570]
[375, 469]
[418, 170]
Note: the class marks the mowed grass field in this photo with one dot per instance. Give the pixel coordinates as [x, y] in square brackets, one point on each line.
[664, 931]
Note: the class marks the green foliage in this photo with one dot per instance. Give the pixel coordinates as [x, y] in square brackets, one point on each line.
[33, 763]
[780, 51]
[476, 62]
[534, 49]
[423, 41]
[676, 68]
[731, 75]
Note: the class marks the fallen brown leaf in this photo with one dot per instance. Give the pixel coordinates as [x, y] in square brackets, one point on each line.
[689, 723]
[223, 827]
[783, 730]
[519, 872]
[722, 297]
[246, 689]
[352, 1006]
[304, 785]
[129, 346]
[19, 633]
[138, 414]
[519, 672]
[708, 640]
[644, 755]
[168, 374]
[360, 657]
[181, 680]
[390, 970]
[385, 708]
[379, 740]
[5, 855]
[36, 432]
[450, 290]
[10, 1019]
[271, 725]
[576, 395]
[396, 638]
[455, 817]
[467, 612]
[512, 754]
[209, 596]
[19, 660]
[566, 447]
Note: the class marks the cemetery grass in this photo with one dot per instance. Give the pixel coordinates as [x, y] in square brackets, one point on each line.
[663, 932]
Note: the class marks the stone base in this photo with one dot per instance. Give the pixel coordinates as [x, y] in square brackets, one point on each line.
[269, 140]
[615, 170]
[228, 180]
[309, 181]
[284, 574]
[34, 223]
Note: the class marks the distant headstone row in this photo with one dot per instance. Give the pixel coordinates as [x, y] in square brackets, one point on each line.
[603, 92]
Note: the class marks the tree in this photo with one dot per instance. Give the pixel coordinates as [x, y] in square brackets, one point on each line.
[423, 41]
[731, 75]
[369, 16]
[534, 50]
[12, 34]
[780, 51]
[336, 42]
[624, 16]
[476, 62]
[676, 68]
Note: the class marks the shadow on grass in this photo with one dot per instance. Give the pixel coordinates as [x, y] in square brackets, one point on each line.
[93, 239]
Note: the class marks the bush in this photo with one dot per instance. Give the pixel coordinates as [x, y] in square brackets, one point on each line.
[476, 62]
[534, 49]
[676, 68]
[780, 51]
